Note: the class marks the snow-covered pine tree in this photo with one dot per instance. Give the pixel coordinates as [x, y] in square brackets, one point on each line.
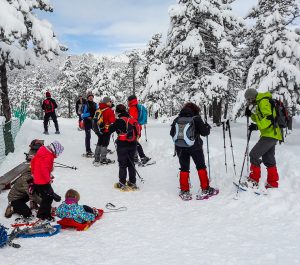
[83, 73]
[67, 89]
[276, 68]
[23, 37]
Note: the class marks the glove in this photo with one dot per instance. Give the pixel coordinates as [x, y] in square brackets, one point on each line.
[56, 197]
[248, 112]
[33, 205]
[207, 125]
[253, 127]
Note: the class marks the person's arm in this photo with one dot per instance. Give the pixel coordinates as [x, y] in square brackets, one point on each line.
[54, 103]
[200, 127]
[173, 128]
[76, 106]
[85, 216]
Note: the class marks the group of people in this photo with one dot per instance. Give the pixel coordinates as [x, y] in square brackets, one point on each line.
[186, 131]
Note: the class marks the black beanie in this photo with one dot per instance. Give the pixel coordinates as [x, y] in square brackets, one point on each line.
[132, 97]
[120, 108]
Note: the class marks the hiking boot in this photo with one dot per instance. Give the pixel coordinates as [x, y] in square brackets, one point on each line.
[57, 132]
[145, 160]
[249, 184]
[185, 195]
[121, 186]
[89, 153]
[96, 163]
[268, 186]
[107, 161]
[132, 186]
[46, 132]
[24, 220]
[9, 211]
[207, 193]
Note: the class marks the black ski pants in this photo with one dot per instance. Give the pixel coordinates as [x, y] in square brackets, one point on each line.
[140, 150]
[104, 139]
[47, 117]
[20, 207]
[185, 155]
[87, 129]
[265, 149]
[126, 160]
[46, 193]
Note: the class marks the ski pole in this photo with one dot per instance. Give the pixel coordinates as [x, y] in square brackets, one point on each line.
[247, 151]
[146, 132]
[208, 160]
[64, 166]
[247, 147]
[223, 124]
[231, 146]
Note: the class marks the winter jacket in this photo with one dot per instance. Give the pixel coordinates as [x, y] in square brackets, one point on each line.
[133, 110]
[200, 127]
[74, 211]
[263, 117]
[119, 126]
[21, 189]
[108, 118]
[42, 166]
[79, 106]
[89, 109]
[53, 104]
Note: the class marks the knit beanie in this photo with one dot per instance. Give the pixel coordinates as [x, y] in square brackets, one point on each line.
[58, 148]
[132, 97]
[120, 108]
[106, 100]
[250, 94]
[48, 95]
[89, 93]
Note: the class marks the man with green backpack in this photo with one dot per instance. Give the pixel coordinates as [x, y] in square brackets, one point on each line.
[267, 116]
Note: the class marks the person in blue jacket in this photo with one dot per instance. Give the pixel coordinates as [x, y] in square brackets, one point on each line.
[88, 113]
[71, 209]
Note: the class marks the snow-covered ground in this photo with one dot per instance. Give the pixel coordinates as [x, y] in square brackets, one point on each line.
[158, 227]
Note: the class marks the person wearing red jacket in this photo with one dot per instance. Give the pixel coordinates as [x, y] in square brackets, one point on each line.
[41, 168]
[107, 116]
[133, 112]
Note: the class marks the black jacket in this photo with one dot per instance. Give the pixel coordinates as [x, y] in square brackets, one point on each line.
[119, 126]
[78, 103]
[201, 128]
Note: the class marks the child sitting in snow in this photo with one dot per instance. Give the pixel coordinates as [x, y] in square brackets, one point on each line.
[70, 209]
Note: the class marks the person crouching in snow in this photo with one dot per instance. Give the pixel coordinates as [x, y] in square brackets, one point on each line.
[127, 129]
[185, 131]
[71, 209]
[264, 117]
[41, 168]
[104, 116]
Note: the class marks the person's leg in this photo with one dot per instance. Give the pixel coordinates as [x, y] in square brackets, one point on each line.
[140, 150]
[54, 118]
[130, 164]
[122, 159]
[198, 158]
[46, 121]
[87, 128]
[46, 193]
[97, 153]
[88, 209]
[184, 161]
[20, 207]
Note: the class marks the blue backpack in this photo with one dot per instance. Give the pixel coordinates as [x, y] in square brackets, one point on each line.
[143, 114]
[3, 236]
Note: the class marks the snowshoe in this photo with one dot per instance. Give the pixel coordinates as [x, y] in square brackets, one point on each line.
[46, 132]
[255, 190]
[121, 187]
[57, 132]
[23, 221]
[96, 163]
[206, 194]
[149, 163]
[89, 154]
[132, 186]
[38, 230]
[107, 161]
[185, 195]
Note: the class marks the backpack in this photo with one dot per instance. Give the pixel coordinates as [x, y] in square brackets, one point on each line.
[143, 114]
[49, 106]
[3, 236]
[132, 130]
[185, 132]
[98, 119]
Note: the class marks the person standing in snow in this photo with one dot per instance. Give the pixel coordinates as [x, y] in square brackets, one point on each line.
[189, 117]
[127, 129]
[264, 151]
[133, 112]
[88, 113]
[41, 168]
[104, 117]
[79, 105]
[49, 105]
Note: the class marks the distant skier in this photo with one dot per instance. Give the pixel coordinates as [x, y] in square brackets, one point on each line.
[270, 134]
[41, 167]
[88, 113]
[49, 105]
[134, 112]
[79, 106]
[127, 129]
[185, 131]
[104, 116]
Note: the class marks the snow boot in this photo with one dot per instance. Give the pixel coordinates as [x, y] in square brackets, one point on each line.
[185, 195]
[132, 186]
[107, 161]
[203, 177]
[184, 180]
[46, 132]
[272, 179]
[97, 154]
[249, 183]
[89, 154]
[207, 193]
[120, 186]
[57, 132]
[145, 160]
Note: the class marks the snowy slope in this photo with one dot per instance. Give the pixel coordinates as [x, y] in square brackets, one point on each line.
[158, 227]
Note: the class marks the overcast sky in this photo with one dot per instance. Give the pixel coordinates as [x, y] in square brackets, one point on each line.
[112, 26]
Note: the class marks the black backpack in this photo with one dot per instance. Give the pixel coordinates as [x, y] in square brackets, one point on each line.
[184, 132]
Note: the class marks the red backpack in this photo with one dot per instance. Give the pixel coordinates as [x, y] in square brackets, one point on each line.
[132, 130]
[49, 106]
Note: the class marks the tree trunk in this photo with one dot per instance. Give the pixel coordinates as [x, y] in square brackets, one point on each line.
[225, 111]
[69, 108]
[4, 93]
[217, 111]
